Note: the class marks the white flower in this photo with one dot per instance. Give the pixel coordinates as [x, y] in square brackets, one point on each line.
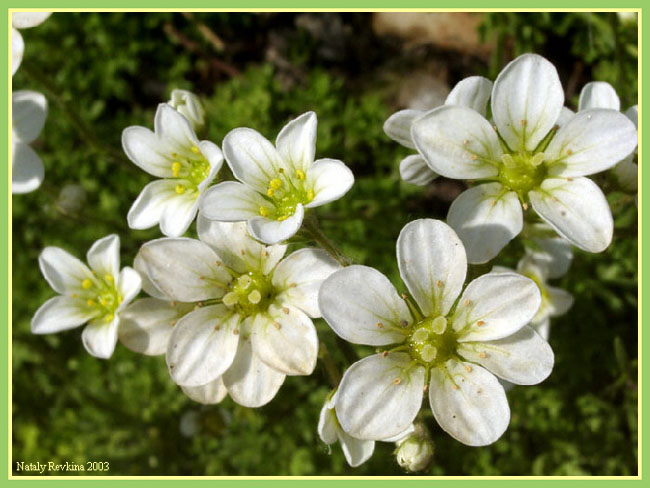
[453, 345]
[552, 252]
[472, 92]
[28, 113]
[252, 326]
[415, 452]
[189, 106]
[278, 183]
[187, 167]
[22, 20]
[96, 295]
[526, 161]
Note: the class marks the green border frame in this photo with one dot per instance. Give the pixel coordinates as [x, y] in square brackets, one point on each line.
[266, 482]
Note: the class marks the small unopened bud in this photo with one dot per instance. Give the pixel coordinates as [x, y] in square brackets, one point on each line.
[415, 452]
[190, 106]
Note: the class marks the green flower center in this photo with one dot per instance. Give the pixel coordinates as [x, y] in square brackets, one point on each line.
[101, 296]
[521, 172]
[284, 193]
[191, 170]
[249, 294]
[431, 342]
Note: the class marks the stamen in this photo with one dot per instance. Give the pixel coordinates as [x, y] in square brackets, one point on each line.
[180, 189]
[108, 277]
[195, 150]
[90, 302]
[176, 169]
[300, 174]
[270, 192]
[109, 318]
[275, 183]
[380, 325]
[86, 284]
[264, 211]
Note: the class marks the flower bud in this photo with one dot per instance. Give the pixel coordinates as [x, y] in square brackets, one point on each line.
[190, 106]
[415, 452]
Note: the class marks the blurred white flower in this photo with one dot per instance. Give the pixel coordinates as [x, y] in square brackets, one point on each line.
[28, 114]
[187, 167]
[189, 106]
[22, 20]
[95, 295]
[252, 325]
[526, 161]
[453, 345]
[277, 182]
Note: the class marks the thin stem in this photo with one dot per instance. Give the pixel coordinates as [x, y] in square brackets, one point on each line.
[311, 229]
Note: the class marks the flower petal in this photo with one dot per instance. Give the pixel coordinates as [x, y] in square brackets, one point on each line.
[457, 142]
[63, 271]
[275, 231]
[213, 154]
[203, 345]
[250, 382]
[147, 285]
[186, 270]
[379, 396]
[176, 130]
[27, 170]
[592, 141]
[398, 126]
[577, 210]
[61, 313]
[99, 338]
[148, 151]
[523, 358]
[148, 208]
[329, 179]
[363, 307]
[356, 451]
[432, 263]
[486, 217]
[146, 324]
[178, 214]
[566, 114]
[527, 99]
[494, 306]
[415, 170]
[104, 256]
[28, 114]
[128, 284]
[285, 339]
[598, 94]
[209, 394]
[632, 113]
[469, 403]
[232, 201]
[554, 254]
[473, 92]
[296, 142]
[17, 50]
[328, 425]
[23, 20]
[300, 276]
[560, 300]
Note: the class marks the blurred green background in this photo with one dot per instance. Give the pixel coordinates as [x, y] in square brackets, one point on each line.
[102, 72]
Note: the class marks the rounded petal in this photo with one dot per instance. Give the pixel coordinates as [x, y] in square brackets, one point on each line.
[28, 114]
[592, 141]
[23, 20]
[176, 130]
[560, 300]
[231, 201]
[63, 271]
[356, 451]
[146, 324]
[213, 154]
[469, 403]
[17, 50]
[27, 170]
[632, 113]
[598, 94]
[148, 208]
[61, 313]
[415, 170]
[527, 99]
[398, 126]
[209, 394]
[147, 285]
[250, 382]
[486, 218]
[363, 307]
[296, 142]
[432, 263]
[285, 339]
[275, 231]
[147, 151]
[523, 358]
[99, 338]
[457, 142]
[327, 425]
[494, 306]
[203, 345]
[379, 396]
[577, 210]
[300, 276]
[178, 215]
[104, 256]
[129, 285]
[554, 254]
[330, 179]
[566, 114]
[473, 92]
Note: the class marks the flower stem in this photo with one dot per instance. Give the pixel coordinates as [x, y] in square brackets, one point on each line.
[311, 230]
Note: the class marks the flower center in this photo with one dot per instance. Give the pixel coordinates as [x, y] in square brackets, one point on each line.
[284, 193]
[521, 172]
[193, 170]
[101, 296]
[249, 294]
[431, 341]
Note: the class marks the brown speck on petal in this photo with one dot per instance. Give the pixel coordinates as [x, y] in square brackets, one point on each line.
[405, 323]
[397, 381]
[285, 310]
[384, 354]
[380, 325]
[468, 368]
[439, 284]
[277, 325]
[482, 355]
[236, 331]
[480, 323]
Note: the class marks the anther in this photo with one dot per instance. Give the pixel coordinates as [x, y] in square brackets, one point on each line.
[270, 192]
[569, 179]
[455, 387]
[310, 195]
[380, 325]
[254, 297]
[217, 327]
[439, 283]
[466, 302]
[384, 354]
[242, 252]
[90, 302]
[473, 157]
[523, 122]
[236, 331]
[292, 285]
[180, 189]
[569, 152]
[405, 323]
[195, 150]
[524, 206]
[468, 368]
[480, 323]
[282, 218]
[426, 387]
[108, 318]
[85, 284]
[275, 183]
[285, 310]
[103, 302]
[173, 323]
[277, 325]
[300, 174]
[264, 211]
[108, 277]
[176, 169]
[482, 355]
[397, 381]
[493, 203]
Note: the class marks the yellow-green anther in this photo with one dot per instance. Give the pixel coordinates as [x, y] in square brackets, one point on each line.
[300, 174]
[176, 169]
[195, 150]
[86, 284]
[275, 183]
[108, 277]
[439, 325]
[180, 189]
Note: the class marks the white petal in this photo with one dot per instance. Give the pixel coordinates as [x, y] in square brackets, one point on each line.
[250, 382]
[61, 313]
[356, 451]
[398, 126]
[566, 114]
[592, 141]
[494, 306]
[23, 20]
[231, 201]
[104, 256]
[27, 170]
[300, 276]
[457, 142]
[543, 329]
[147, 285]
[415, 170]
[128, 284]
[203, 345]
[213, 154]
[28, 114]
[209, 394]
[17, 50]
[146, 324]
[470, 406]
[99, 338]
[275, 231]
[252, 158]
[287, 342]
[577, 210]
[363, 307]
[186, 270]
[432, 263]
[523, 358]
[632, 113]
[175, 129]
[379, 396]
[178, 214]
[296, 142]
[560, 300]
[148, 208]
[486, 217]
[526, 101]
[330, 179]
[555, 254]
[148, 151]
[327, 424]
[63, 271]
[598, 94]
[473, 92]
